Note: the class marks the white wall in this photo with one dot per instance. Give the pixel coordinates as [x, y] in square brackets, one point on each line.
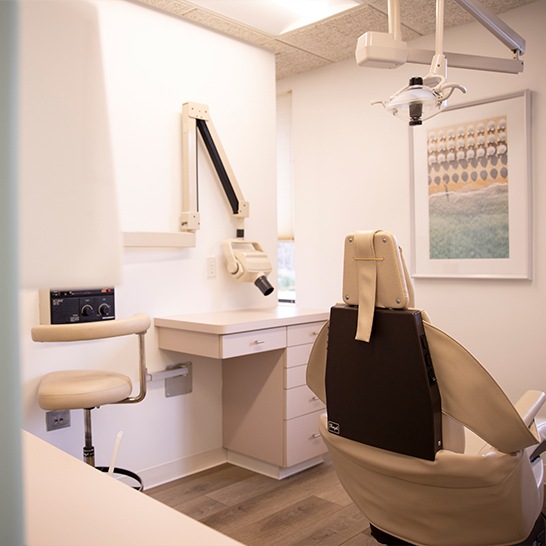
[351, 172]
[152, 63]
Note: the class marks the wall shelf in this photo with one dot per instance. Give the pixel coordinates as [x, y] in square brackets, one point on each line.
[158, 239]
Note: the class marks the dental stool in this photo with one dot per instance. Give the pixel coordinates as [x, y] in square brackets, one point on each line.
[89, 389]
[400, 395]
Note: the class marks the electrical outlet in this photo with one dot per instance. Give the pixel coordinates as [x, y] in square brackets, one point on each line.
[57, 419]
[211, 267]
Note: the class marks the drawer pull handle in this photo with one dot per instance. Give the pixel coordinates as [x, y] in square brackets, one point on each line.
[316, 435]
[315, 398]
[259, 342]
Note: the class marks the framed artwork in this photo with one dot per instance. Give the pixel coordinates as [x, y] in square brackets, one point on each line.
[471, 191]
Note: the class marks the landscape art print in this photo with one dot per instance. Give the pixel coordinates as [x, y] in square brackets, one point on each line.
[468, 173]
[471, 190]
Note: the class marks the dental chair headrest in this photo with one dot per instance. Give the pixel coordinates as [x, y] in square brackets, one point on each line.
[374, 275]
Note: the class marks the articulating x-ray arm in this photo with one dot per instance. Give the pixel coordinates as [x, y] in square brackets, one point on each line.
[246, 260]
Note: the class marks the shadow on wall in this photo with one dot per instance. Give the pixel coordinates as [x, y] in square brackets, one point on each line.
[69, 229]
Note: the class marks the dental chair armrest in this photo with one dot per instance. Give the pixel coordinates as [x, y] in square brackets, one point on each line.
[529, 405]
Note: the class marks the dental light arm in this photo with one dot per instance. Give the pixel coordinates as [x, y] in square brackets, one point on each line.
[245, 260]
[427, 96]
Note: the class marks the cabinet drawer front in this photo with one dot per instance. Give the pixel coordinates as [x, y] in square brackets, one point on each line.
[256, 341]
[303, 333]
[298, 355]
[295, 377]
[300, 401]
[303, 440]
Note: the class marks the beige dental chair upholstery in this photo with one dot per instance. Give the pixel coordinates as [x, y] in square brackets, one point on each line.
[89, 389]
[422, 487]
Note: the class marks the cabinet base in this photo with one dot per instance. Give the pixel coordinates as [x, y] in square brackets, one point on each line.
[268, 469]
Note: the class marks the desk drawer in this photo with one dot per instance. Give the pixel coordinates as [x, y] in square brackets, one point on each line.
[303, 333]
[295, 377]
[303, 440]
[255, 341]
[298, 355]
[300, 401]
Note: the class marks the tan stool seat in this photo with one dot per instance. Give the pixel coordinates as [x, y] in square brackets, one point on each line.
[80, 389]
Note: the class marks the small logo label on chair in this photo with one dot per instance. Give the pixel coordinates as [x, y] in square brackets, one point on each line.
[333, 427]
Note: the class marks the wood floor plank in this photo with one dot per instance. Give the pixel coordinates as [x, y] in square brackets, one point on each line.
[278, 527]
[334, 528]
[236, 493]
[307, 509]
[199, 508]
[293, 489]
[362, 539]
[336, 494]
[199, 484]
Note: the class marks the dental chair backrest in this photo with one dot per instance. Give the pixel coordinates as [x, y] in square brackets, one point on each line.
[376, 283]
[380, 384]
[391, 287]
[374, 260]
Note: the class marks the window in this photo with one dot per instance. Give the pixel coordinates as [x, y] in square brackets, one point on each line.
[286, 246]
[286, 272]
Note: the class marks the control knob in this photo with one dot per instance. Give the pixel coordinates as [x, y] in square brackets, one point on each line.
[104, 310]
[87, 310]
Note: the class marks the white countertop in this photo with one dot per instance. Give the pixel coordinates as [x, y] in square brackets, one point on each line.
[69, 503]
[230, 322]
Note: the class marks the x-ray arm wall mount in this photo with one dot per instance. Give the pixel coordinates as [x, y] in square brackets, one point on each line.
[245, 260]
[196, 117]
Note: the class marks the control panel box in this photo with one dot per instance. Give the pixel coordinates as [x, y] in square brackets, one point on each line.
[74, 306]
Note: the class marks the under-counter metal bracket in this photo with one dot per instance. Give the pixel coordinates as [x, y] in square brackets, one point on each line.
[178, 379]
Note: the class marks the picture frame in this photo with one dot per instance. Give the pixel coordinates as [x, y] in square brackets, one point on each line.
[471, 191]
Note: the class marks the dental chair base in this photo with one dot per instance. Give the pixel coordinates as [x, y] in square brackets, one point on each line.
[536, 538]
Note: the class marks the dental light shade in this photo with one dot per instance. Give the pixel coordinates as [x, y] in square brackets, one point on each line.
[425, 97]
[414, 103]
[418, 102]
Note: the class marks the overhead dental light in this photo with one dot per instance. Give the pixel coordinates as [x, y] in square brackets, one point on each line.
[426, 96]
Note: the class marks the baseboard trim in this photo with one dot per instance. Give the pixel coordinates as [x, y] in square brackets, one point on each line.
[164, 473]
[168, 472]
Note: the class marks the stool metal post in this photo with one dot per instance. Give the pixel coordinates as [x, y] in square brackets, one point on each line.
[88, 449]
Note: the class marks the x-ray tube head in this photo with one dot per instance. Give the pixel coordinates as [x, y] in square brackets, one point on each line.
[246, 261]
[264, 285]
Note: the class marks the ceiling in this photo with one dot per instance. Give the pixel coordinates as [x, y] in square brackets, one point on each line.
[333, 39]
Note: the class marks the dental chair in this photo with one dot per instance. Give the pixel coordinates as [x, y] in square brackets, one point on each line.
[399, 394]
[90, 389]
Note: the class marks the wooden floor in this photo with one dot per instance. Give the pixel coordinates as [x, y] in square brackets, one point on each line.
[308, 508]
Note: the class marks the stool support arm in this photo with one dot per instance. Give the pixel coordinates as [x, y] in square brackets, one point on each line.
[141, 373]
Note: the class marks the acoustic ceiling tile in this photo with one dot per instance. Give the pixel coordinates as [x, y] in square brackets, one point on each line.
[175, 7]
[292, 60]
[227, 26]
[335, 38]
[420, 15]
